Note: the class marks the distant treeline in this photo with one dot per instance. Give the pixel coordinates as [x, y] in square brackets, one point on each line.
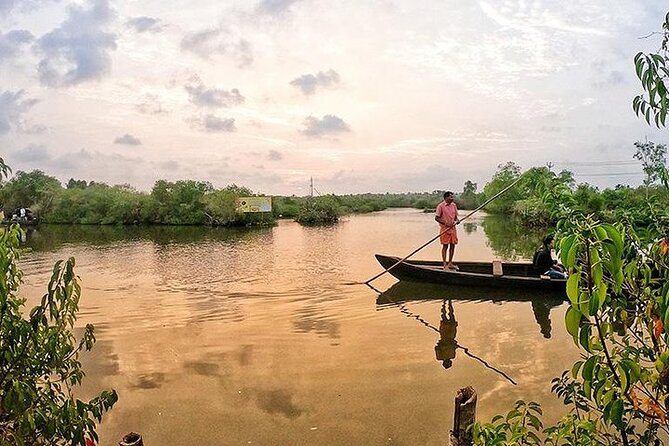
[184, 203]
[531, 201]
[540, 197]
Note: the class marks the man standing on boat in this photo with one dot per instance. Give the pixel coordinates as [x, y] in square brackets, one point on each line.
[447, 217]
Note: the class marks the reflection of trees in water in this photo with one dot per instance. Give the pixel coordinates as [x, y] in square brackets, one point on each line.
[52, 237]
[510, 240]
[311, 320]
[469, 227]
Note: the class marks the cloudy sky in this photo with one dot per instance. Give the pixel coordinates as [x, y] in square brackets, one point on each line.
[363, 96]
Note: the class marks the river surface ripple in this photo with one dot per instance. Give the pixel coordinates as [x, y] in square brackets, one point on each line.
[227, 337]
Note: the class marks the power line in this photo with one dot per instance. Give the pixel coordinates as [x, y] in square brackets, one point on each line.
[613, 174]
[599, 163]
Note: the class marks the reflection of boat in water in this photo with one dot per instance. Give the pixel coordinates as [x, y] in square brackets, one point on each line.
[542, 300]
[510, 276]
[404, 291]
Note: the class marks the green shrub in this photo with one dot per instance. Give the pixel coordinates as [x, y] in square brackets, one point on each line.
[319, 210]
[532, 212]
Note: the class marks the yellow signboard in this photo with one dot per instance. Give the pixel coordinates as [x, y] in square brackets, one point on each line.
[254, 204]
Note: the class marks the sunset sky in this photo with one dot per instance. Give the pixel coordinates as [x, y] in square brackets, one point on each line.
[363, 96]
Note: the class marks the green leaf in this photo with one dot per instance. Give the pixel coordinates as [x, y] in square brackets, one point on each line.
[572, 321]
[565, 246]
[588, 368]
[596, 267]
[616, 413]
[619, 278]
[601, 233]
[638, 63]
[572, 287]
[624, 378]
[584, 337]
[584, 302]
[633, 369]
[614, 235]
[593, 304]
[601, 293]
[587, 388]
[571, 255]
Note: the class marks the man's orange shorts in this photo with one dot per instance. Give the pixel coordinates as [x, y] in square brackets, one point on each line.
[449, 237]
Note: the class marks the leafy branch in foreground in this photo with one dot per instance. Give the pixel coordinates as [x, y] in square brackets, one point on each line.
[39, 362]
[652, 71]
[618, 316]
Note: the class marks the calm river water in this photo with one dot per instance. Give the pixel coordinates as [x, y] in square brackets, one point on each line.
[235, 337]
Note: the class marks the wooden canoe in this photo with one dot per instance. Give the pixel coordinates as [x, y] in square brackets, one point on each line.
[472, 274]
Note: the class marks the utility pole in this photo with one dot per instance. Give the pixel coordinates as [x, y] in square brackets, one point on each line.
[311, 187]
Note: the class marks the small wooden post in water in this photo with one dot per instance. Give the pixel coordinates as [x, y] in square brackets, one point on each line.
[465, 415]
[132, 439]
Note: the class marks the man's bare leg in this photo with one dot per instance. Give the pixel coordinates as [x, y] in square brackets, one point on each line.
[451, 253]
[444, 248]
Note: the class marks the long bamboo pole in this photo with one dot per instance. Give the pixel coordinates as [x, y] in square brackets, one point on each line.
[438, 235]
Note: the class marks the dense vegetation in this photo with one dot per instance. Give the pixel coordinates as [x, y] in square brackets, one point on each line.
[199, 203]
[189, 203]
[81, 202]
[40, 365]
[616, 248]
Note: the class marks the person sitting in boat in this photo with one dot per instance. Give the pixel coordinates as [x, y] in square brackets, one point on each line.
[447, 345]
[543, 261]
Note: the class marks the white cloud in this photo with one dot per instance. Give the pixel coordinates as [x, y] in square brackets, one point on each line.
[127, 140]
[11, 42]
[202, 96]
[145, 24]
[32, 154]
[151, 105]
[79, 49]
[21, 6]
[12, 106]
[473, 84]
[211, 42]
[308, 83]
[327, 125]
[212, 123]
[274, 7]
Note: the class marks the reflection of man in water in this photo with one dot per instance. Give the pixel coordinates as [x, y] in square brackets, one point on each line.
[541, 312]
[447, 345]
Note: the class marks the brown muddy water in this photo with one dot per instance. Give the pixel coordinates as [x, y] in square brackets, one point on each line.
[236, 337]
